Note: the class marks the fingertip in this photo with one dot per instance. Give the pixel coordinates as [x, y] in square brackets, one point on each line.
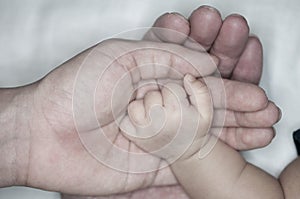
[242, 96]
[256, 97]
[255, 39]
[194, 86]
[274, 113]
[180, 20]
[208, 7]
[172, 20]
[258, 139]
[174, 28]
[268, 136]
[230, 43]
[250, 64]
[136, 112]
[237, 22]
[189, 78]
[199, 97]
[261, 99]
[205, 24]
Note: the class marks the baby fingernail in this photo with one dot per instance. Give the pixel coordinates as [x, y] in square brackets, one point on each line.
[189, 77]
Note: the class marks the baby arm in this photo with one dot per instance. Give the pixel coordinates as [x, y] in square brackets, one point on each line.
[222, 173]
[290, 180]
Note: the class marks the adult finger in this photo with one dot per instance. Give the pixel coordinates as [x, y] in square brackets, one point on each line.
[169, 27]
[205, 24]
[258, 119]
[236, 96]
[230, 43]
[245, 138]
[249, 67]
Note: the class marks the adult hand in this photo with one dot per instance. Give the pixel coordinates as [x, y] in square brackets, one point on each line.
[58, 143]
[240, 58]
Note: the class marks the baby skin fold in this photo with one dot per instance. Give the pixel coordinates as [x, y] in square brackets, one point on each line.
[187, 112]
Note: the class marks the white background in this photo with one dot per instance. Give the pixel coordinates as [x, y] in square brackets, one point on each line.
[37, 36]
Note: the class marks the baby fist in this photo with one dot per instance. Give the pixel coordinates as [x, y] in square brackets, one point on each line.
[171, 123]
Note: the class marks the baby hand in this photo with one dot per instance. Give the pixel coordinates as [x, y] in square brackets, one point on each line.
[171, 123]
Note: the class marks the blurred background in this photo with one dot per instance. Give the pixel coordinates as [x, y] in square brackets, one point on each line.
[37, 36]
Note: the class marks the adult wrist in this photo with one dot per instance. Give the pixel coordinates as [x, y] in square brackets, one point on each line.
[16, 111]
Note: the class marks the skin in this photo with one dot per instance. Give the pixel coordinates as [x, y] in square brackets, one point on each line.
[38, 143]
[46, 145]
[290, 179]
[222, 173]
[240, 55]
[228, 39]
[175, 106]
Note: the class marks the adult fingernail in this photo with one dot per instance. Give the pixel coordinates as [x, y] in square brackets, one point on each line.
[181, 17]
[209, 8]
